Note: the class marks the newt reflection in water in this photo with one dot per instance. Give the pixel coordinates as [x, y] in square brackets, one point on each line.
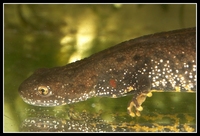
[158, 62]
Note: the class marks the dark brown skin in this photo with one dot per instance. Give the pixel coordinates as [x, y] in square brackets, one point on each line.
[158, 62]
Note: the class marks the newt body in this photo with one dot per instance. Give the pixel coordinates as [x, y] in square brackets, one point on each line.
[159, 62]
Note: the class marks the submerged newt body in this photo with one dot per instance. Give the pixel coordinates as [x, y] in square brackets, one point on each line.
[162, 62]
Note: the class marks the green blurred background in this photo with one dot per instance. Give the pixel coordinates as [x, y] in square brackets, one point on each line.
[49, 35]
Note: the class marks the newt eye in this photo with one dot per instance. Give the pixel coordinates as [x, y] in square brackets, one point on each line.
[43, 90]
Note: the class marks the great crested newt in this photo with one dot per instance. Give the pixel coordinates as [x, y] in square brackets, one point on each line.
[163, 61]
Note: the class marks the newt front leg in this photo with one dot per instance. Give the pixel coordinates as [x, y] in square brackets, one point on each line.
[136, 103]
[139, 95]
